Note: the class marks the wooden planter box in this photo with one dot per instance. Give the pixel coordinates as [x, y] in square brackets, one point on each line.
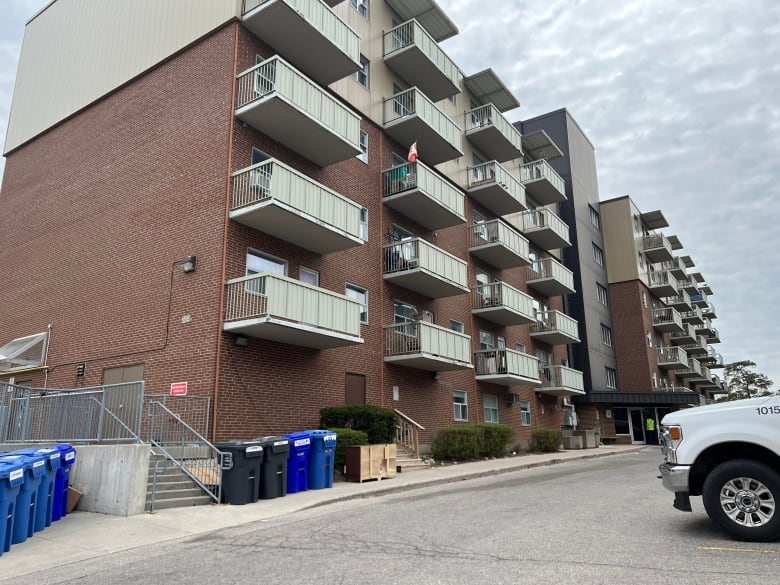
[370, 462]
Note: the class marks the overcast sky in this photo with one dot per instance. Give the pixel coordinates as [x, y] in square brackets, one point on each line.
[680, 99]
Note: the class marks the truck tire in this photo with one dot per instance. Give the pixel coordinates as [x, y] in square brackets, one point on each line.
[742, 498]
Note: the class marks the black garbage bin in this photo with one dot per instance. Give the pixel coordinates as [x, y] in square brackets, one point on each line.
[273, 480]
[242, 468]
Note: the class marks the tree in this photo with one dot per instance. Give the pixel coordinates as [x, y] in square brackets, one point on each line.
[740, 381]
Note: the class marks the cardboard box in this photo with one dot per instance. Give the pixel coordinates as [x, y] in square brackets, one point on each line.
[74, 496]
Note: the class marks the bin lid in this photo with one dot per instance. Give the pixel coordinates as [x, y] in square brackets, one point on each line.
[300, 441]
[13, 472]
[275, 444]
[328, 437]
[35, 464]
[51, 455]
[251, 448]
[67, 453]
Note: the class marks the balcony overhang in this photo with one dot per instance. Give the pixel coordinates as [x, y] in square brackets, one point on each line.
[488, 88]
[507, 379]
[499, 255]
[563, 391]
[426, 361]
[686, 337]
[428, 14]
[657, 254]
[503, 315]
[425, 282]
[546, 237]
[413, 65]
[667, 326]
[282, 331]
[675, 242]
[549, 286]
[662, 289]
[496, 145]
[280, 24]
[432, 146]
[286, 123]
[538, 145]
[680, 302]
[673, 363]
[554, 337]
[654, 220]
[496, 197]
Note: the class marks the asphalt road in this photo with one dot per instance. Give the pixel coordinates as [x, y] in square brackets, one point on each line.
[598, 521]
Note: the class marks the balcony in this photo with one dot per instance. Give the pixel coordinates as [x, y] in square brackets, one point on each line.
[308, 34]
[667, 387]
[704, 328]
[276, 99]
[561, 381]
[488, 130]
[700, 299]
[542, 183]
[277, 308]
[667, 320]
[670, 358]
[681, 302]
[496, 188]
[418, 265]
[423, 195]
[662, 284]
[694, 316]
[714, 336]
[545, 229]
[712, 358]
[676, 266]
[709, 311]
[698, 348]
[276, 199]
[498, 244]
[502, 304]
[684, 337]
[409, 116]
[691, 370]
[657, 248]
[425, 346]
[417, 58]
[550, 278]
[689, 285]
[506, 367]
[554, 328]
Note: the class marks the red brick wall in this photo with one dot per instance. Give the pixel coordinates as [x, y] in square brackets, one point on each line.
[630, 322]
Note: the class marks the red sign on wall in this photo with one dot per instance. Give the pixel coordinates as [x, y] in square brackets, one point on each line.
[179, 389]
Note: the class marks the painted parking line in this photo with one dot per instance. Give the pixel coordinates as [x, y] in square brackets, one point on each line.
[739, 550]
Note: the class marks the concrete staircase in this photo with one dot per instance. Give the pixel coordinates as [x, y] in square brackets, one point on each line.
[406, 460]
[175, 489]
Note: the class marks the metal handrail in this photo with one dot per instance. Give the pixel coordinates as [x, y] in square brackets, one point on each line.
[408, 433]
[188, 450]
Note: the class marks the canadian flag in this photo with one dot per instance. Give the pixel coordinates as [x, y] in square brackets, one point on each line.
[412, 152]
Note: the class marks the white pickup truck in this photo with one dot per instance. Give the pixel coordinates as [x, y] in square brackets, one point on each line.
[728, 453]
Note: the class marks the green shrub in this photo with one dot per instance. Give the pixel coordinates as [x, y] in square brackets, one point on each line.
[345, 438]
[378, 423]
[465, 442]
[546, 440]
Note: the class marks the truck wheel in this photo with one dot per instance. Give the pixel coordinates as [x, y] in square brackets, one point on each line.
[741, 496]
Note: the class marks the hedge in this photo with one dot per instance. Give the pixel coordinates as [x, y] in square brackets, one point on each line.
[378, 423]
[546, 440]
[465, 442]
[345, 438]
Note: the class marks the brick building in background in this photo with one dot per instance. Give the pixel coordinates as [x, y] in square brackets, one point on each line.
[221, 193]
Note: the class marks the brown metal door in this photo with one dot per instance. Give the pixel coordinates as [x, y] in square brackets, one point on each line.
[354, 389]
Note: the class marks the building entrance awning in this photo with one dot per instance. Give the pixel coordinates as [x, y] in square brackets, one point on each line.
[23, 353]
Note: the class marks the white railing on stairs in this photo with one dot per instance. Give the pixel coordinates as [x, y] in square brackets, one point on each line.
[408, 433]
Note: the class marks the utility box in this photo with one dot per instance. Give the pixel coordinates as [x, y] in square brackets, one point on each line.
[365, 462]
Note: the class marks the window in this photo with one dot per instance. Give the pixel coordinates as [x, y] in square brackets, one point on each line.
[259, 262]
[611, 377]
[360, 295]
[460, 405]
[520, 346]
[601, 294]
[361, 6]
[606, 335]
[644, 299]
[361, 75]
[456, 326]
[594, 217]
[363, 147]
[598, 255]
[480, 229]
[640, 259]
[620, 414]
[649, 335]
[525, 413]
[309, 276]
[363, 229]
[405, 314]
[490, 406]
[486, 340]
[654, 377]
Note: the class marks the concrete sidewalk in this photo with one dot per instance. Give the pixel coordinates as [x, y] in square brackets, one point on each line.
[85, 535]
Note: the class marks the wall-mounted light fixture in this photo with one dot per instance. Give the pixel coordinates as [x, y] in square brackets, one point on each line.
[241, 341]
[436, 376]
[188, 264]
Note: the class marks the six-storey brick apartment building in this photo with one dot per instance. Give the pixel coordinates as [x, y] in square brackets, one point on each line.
[288, 204]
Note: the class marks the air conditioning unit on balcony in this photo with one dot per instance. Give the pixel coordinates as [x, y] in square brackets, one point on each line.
[512, 398]
[567, 401]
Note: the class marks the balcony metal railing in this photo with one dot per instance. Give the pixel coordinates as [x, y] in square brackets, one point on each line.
[549, 268]
[416, 177]
[414, 337]
[275, 180]
[671, 355]
[662, 279]
[681, 301]
[325, 121]
[668, 318]
[496, 188]
[489, 362]
[562, 377]
[554, 321]
[496, 232]
[660, 243]
[286, 299]
[533, 172]
[420, 266]
[433, 71]
[514, 307]
[676, 266]
[488, 129]
[540, 220]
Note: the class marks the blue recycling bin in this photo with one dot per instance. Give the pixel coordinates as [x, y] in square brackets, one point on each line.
[27, 498]
[45, 501]
[321, 460]
[11, 480]
[298, 462]
[62, 480]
